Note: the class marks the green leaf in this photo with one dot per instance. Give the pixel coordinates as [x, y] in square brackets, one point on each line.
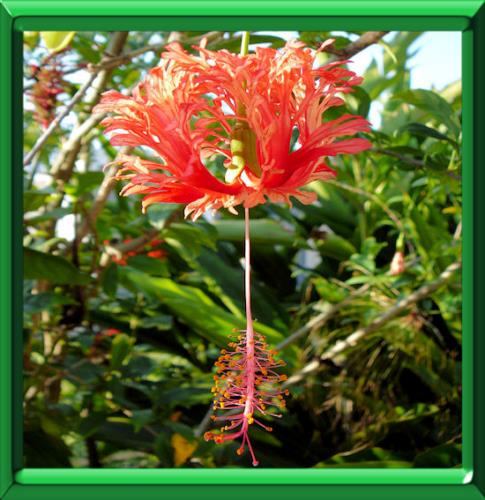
[192, 306]
[57, 40]
[36, 442]
[263, 231]
[431, 378]
[234, 44]
[367, 464]
[138, 366]
[445, 455]
[361, 101]
[159, 213]
[45, 301]
[333, 245]
[120, 432]
[160, 322]
[227, 283]
[163, 449]
[437, 157]
[149, 265]
[120, 348]
[189, 238]
[90, 424]
[56, 213]
[33, 200]
[422, 130]
[109, 279]
[368, 458]
[328, 291]
[140, 418]
[84, 182]
[43, 266]
[434, 104]
[187, 396]
[332, 205]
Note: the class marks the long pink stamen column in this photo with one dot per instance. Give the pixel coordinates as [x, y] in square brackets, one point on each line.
[246, 381]
[250, 360]
[246, 378]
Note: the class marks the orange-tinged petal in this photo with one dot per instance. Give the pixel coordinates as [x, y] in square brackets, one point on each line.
[188, 108]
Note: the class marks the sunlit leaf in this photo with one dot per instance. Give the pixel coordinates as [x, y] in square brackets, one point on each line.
[56, 41]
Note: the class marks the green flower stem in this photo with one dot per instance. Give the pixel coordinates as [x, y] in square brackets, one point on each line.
[245, 43]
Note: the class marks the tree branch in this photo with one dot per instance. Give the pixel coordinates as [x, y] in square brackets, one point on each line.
[98, 74]
[101, 197]
[378, 323]
[411, 161]
[126, 58]
[122, 248]
[367, 39]
[55, 123]
[319, 320]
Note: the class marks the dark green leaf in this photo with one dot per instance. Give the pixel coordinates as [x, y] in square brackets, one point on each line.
[109, 279]
[425, 131]
[120, 349]
[45, 301]
[43, 266]
[445, 455]
[149, 265]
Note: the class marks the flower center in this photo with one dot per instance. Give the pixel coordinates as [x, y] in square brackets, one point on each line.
[244, 154]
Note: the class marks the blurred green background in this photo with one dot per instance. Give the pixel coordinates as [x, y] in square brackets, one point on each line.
[125, 314]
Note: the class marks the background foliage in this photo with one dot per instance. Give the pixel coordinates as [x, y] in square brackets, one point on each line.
[124, 314]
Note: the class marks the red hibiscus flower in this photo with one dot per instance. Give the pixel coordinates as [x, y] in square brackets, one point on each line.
[249, 110]
[243, 108]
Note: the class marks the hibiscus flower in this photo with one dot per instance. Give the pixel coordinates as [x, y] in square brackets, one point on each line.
[264, 115]
[247, 109]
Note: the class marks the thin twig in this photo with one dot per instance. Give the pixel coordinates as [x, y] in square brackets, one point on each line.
[101, 197]
[55, 123]
[393, 312]
[134, 244]
[319, 320]
[367, 39]
[411, 161]
[378, 323]
[98, 77]
[374, 198]
[204, 423]
[113, 62]
[404, 158]
[126, 58]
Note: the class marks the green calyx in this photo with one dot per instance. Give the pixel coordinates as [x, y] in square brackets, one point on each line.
[243, 149]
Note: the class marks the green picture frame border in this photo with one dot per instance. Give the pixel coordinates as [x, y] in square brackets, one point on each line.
[467, 16]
